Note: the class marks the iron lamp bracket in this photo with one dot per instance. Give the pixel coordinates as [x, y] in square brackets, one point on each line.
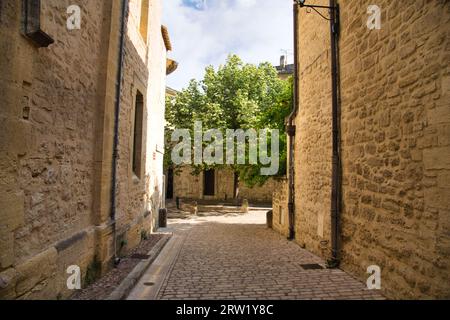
[314, 7]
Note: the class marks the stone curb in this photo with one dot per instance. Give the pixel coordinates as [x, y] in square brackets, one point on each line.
[125, 287]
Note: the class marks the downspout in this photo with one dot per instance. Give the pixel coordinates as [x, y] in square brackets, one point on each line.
[116, 123]
[291, 129]
[336, 160]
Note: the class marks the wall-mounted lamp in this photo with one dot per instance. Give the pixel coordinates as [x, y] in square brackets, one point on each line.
[334, 8]
[31, 13]
[301, 3]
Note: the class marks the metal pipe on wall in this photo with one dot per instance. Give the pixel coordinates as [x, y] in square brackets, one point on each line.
[291, 129]
[116, 121]
[336, 159]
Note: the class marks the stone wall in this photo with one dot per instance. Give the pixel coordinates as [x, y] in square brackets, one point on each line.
[396, 146]
[258, 193]
[57, 123]
[191, 186]
[280, 207]
[139, 197]
[395, 120]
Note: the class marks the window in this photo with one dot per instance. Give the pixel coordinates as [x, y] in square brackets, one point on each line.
[137, 137]
[143, 25]
[31, 12]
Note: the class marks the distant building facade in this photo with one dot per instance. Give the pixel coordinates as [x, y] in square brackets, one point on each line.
[217, 185]
[170, 92]
[285, 70]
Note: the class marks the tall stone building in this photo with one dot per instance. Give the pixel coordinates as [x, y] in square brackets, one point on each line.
[74, 91]
[394, 144]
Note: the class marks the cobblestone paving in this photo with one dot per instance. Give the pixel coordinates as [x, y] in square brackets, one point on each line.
[236, 258]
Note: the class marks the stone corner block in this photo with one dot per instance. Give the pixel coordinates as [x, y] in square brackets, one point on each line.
[35, 270]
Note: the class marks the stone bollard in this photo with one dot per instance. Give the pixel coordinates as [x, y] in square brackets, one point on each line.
[194, 209]
[244, 207]
[269, 219]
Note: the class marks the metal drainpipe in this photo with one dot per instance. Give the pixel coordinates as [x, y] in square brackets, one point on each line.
[291, 132]
[116, 122]
[336, 161]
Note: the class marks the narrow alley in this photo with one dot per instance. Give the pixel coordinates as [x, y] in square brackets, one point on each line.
[235, 256]
[216, 150]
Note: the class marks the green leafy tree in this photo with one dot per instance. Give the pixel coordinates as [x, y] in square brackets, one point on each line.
[236, 96]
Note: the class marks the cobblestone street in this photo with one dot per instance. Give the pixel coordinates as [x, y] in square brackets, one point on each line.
[236, 257]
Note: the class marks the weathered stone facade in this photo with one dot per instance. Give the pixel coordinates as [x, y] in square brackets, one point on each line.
[395, 143]
[396, 147]
[56, 142]
[280, 222]
[190, 186]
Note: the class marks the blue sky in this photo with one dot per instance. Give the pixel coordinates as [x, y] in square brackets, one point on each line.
[204, 32]
[195, 4]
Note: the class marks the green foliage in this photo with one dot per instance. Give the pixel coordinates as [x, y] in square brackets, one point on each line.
[236, 96]
[144, 235]
[93, 272]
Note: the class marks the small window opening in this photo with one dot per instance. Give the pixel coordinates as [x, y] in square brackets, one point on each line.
[137, 138]
[143, 25]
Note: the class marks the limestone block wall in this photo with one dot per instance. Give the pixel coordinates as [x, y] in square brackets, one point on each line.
[396, 146]
[395, 102]
[313, 137]
[190, 186]
[224, 184]
[280, 207]
[56, 135]
[47, 142]
[258, 193]
[156, 97]
[139, 197]
[130, 193]
[187, 185]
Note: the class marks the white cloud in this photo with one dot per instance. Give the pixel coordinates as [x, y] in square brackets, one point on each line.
[255, 30]
[246, 3]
